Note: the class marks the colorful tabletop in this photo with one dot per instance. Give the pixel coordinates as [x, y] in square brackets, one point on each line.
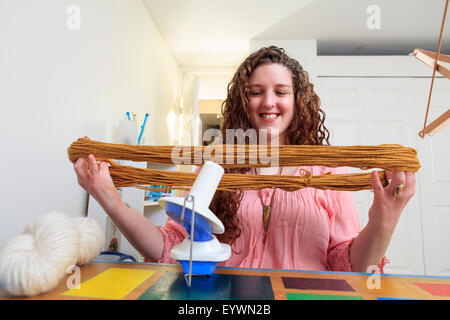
[148, 281]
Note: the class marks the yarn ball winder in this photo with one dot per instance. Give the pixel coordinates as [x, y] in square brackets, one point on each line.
[200, 252]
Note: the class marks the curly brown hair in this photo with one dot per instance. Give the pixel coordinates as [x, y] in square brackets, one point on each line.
[307, 126]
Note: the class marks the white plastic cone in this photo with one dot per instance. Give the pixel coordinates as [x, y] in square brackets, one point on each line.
[203, 191]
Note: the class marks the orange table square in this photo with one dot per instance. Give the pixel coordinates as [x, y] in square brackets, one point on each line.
[436, 289]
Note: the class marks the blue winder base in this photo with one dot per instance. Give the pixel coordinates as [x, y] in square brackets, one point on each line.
[199, 268]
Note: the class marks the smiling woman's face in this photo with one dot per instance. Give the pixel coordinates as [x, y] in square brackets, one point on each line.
[271, 98]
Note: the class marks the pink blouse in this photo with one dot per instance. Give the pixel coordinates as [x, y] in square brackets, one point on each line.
[309, 229]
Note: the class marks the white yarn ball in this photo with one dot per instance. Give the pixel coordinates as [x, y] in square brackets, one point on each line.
[35, 261]
[92, 239]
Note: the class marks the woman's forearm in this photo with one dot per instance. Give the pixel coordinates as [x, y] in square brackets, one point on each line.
[371, 244]
[368, 248]
[139, 231]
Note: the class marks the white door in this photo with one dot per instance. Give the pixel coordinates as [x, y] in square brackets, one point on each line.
[372, 111]
[434, 152]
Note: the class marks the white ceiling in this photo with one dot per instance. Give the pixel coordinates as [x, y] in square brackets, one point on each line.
[216, 33]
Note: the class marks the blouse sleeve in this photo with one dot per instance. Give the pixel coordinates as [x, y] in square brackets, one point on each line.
[344, 228]
[173, 234]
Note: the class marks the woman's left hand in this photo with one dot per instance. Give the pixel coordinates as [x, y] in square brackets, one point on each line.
[389, 202]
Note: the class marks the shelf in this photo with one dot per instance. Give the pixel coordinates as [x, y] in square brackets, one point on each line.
[149, 203]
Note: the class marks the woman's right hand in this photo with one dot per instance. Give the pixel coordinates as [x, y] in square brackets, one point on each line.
[96, 179]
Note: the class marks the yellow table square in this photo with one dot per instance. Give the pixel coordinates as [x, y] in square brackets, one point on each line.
[114, 283]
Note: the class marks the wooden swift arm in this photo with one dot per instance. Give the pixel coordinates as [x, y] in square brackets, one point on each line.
[437, 125]
[429, 58]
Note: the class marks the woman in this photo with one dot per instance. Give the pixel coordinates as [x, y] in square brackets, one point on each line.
[308, 229]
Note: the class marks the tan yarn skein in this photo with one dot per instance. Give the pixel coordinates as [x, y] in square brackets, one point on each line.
[388, 156]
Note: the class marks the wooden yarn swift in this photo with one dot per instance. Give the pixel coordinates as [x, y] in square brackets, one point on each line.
[389, 157]
[432, 60]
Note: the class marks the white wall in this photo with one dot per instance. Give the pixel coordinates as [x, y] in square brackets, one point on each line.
[305, 51]
[58, 84]
[214, 86]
